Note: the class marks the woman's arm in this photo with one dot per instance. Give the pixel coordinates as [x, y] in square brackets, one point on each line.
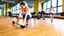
[26, 10]
[18, 17]
[54, 11]
[20, 14]
[49, 10]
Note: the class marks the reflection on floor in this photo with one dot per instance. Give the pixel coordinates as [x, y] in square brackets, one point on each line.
[37, 27]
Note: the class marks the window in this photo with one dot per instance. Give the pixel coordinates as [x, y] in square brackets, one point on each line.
[49, 4]
[0, 12]
[4, 10]
[18, 6]
[32, 9]
[59, 9]
[13, 11]
[18, 11]
[15, 7]
[44, 5]
[47, 11]
[55, 10]
[59, 2]
[54, 3]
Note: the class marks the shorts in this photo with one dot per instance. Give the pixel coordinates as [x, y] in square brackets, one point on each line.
[28, 17]
[51, 13]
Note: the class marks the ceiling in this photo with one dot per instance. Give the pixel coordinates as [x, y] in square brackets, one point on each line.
[30, 3]
[14, 2]
[46, 0]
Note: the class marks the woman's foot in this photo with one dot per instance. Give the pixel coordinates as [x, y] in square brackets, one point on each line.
[51, 20]
[16, 23]
[13, 22]
[26, 24]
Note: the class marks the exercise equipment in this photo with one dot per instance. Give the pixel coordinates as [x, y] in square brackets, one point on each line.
[21, 26]
[43, 18]
[19, 23]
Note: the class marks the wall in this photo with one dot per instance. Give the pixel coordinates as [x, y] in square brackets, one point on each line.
[63, 6]
[37, 5]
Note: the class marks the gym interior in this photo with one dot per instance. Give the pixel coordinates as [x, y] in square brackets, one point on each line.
[39, 24]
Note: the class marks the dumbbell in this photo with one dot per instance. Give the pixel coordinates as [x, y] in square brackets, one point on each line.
[13, 22]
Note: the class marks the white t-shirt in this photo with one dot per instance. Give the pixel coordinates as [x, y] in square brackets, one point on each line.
[51, 11]
[29, 13]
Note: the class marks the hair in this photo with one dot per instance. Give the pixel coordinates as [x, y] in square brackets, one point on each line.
[23, 3]
[51, 6]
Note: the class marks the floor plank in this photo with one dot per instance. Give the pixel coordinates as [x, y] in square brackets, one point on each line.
[37, 27]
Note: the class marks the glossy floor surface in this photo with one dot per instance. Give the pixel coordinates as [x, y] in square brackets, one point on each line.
[36, 27]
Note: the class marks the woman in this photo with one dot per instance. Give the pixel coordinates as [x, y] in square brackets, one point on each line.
[24, 11]
[52, 13]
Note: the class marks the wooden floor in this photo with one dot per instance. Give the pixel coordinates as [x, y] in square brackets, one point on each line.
[36, 28]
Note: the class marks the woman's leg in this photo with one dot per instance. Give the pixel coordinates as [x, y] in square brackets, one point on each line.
[23, 19]
[17, 21]
[51, 18]
[27, 20]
